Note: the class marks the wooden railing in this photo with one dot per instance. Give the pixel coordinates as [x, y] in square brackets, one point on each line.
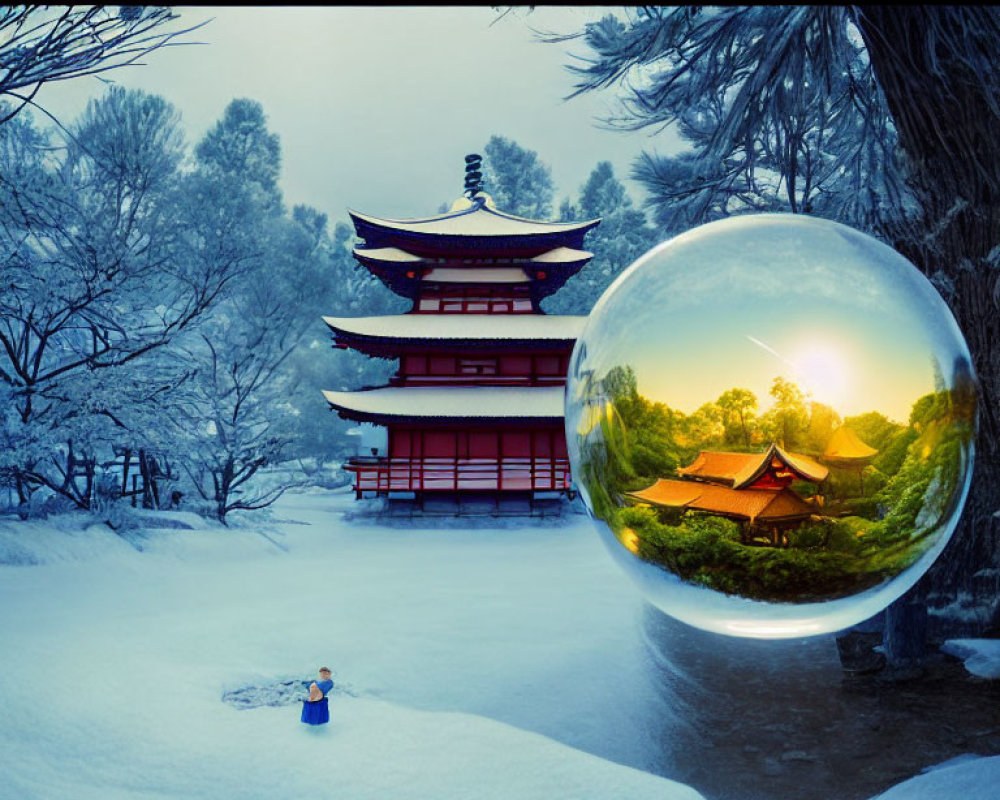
[432, 474]
[478, 380]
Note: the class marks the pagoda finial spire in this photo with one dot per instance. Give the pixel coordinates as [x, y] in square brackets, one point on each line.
[473, 175]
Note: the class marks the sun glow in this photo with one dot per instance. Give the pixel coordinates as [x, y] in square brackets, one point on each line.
[823, 370]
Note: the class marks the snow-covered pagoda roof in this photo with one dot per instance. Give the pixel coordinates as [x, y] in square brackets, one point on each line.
[387, 255]
[389, 336]
[454, 403]
[394, 256]
[544, 267]
[527, 327]
[478, 219]
[471, 225]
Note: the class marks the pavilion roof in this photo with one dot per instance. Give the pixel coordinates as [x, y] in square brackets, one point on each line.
[461, 327]
[479, 219]
[755, 505]
[739, 470]
[387, 255]
[472, 226]
[845, 445]
[562, 255]
[401, 403]
[396, 256]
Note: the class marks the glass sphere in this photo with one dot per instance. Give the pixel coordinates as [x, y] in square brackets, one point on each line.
[770, 419]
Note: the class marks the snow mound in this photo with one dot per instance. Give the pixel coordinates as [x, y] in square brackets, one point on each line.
[981, 656]
[952, 762]
[962, 778]
[78, 536]
[183, 520]
[66, 537]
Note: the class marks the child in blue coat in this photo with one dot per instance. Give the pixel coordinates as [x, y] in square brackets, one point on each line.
[316, 710]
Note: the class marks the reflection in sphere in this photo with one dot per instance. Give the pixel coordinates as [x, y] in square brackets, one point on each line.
[770, 419]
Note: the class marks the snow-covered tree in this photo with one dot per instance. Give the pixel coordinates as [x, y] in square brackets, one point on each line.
[343, 288]
[241, 147]
[519, 182]
[780, 110]
[236, 415]
[42, 44]
[233, 416]
[882, 117]
[620, 239]
[95, 279]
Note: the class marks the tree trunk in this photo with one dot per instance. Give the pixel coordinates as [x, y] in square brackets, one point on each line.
[935, 67]
[904, 640]
[145, 463]
[126, 460]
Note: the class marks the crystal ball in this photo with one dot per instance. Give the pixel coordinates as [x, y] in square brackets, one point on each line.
[770, 419]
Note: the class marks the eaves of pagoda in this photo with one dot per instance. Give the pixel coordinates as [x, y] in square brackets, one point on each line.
[477, 228]
[406, 273]
[742, 470]
[395, 335]
[451, 405]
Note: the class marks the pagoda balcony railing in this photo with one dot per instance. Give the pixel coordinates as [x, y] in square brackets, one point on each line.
[446, 474]
[478, 380]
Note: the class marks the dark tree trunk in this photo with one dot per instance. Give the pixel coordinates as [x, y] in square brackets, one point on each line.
[126, 461]
[144, 471]
[905, 636]
[936, 67]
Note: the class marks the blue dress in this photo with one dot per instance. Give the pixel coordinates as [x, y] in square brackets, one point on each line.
[317, 712]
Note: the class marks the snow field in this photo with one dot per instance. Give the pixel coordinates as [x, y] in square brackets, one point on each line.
[501, 661]
[479, 663]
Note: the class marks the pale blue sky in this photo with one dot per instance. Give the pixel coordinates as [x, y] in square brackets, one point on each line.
[376, 107]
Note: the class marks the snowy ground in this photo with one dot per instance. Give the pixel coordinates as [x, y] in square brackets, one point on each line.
[472, 663]
[469, 663]
[981, 656]
[970, 778]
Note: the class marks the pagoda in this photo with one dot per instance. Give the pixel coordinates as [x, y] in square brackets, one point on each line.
[475, 408]
[751, 488]
[846, 451]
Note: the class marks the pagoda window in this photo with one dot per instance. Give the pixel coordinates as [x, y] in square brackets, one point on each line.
[477, 366]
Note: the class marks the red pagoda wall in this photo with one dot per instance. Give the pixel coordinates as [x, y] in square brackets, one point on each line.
[486, 368]
[460, 459]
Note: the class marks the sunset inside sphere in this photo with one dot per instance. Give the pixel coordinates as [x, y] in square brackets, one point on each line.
[770, 419]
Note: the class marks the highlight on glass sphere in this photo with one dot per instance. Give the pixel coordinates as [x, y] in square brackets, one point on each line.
[771, 421]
